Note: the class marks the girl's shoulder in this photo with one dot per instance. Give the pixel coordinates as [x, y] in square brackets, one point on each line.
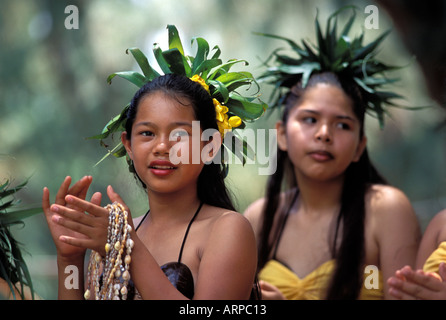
[433, 236]
[437, 227]
[385, 199]
[439, 219]
[227, 229]
[254, 212]
[224, 218]
[388, 209]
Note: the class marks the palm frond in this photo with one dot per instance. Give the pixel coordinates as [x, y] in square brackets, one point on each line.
[339, 53]
[13, 268]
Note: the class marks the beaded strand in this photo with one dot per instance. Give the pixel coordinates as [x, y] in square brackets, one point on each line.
[115, 275]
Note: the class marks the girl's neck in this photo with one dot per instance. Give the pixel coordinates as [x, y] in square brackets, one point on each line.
[320, 196]
[168, 207]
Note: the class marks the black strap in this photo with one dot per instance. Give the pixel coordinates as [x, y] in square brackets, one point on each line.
[187, 231]
[144, 218]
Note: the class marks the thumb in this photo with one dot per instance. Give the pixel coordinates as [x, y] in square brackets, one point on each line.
[115, 197]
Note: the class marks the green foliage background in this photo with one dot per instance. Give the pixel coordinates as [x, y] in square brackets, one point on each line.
[53, 94]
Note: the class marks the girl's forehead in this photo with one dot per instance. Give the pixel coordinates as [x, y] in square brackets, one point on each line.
[326, 98]
[159, 103]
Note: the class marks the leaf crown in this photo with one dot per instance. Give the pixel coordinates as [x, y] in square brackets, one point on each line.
[339, 54]
[219, 81]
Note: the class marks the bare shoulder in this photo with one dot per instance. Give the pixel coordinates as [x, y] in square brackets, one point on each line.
[439, 219]
[437, 227]
[434, 234]
[230, 229]
[387, 200]
[389, 211]
[254, 212]
[229, 220]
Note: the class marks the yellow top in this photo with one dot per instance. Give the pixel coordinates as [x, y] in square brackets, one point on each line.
[433, 262]
[313, 285]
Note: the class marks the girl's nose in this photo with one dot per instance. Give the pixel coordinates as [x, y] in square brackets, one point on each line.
[323, 133]
[162, 146]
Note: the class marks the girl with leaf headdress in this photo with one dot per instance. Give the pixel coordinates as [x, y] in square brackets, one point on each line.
[205, 249]
[330, 227]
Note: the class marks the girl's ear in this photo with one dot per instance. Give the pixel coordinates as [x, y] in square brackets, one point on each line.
[210, 150]
[127, 144]
[281, 135]
[360, 149]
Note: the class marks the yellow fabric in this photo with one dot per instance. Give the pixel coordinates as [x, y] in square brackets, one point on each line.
[433, 262]
[313, 286]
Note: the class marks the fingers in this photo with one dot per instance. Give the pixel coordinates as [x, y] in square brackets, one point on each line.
[73, 225]
[77, 242]
[270, 292]
[46, 200]
[265, 285]
[420, 278]
[92, 208]
[85, 230]
[63, 190]
[396, 289]
[96, 198]
[418, 285]
[71, 218]
[80, 188]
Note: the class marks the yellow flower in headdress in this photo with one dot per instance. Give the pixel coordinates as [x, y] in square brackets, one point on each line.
[223, 121]
[200, 80]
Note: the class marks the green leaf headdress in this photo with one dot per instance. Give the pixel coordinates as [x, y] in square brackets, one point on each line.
[13, 268]
[339, 54]
[233, 109]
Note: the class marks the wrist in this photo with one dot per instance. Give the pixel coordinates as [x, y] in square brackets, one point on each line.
[63, 262]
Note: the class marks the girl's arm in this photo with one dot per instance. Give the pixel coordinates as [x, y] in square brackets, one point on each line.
[434, 234]
[229, 261]
[396, 230]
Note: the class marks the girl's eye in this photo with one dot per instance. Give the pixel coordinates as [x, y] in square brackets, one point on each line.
[178, 134]
[343, 126]
[147, 133]
[309, 120]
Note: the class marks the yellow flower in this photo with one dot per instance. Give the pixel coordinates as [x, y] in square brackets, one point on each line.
[235, 121]
[221, 111]
[200, 80]
[222, 118]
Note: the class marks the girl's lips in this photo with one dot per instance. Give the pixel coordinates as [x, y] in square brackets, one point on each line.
[161, 167]
[321, 155]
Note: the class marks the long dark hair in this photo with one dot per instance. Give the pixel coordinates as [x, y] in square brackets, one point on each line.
[347, 278]
[211, 188]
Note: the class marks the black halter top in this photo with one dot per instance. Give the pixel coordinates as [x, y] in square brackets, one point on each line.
[177, 272]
